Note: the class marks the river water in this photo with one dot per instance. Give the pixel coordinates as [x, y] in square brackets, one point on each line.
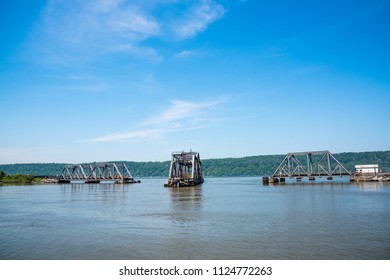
[224, 218]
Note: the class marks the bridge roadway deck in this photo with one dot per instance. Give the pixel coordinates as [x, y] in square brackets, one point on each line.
[310, 175]
[97, 181]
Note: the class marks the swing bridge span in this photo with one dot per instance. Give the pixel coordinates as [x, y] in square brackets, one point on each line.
[311, 165]
[96, 173]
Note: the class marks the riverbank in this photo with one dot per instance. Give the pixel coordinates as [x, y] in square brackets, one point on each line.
[18, 179]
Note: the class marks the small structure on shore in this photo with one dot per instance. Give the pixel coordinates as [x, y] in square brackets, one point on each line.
[185, 170]
[367, 169]
[369, 173]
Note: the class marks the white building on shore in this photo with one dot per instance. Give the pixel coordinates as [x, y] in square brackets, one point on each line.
[367, 169]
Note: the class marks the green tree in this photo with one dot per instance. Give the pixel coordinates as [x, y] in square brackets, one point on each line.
[2, 175]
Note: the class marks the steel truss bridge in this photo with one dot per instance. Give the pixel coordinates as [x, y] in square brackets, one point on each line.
[308, 164]
[96, 172]
[185, 169]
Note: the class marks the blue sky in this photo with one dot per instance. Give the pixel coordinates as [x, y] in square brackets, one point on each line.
[104, 80]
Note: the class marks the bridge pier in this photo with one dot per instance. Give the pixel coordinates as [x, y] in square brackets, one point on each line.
[63, 181]
[92, 182]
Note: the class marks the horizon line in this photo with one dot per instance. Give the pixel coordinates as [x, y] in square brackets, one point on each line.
[169, 160]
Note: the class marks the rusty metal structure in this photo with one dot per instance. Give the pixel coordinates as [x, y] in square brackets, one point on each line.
[308, 164]
[185, 170]
[96, 172]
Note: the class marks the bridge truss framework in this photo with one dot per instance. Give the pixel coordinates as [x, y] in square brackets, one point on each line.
[96, 172]
[185, 169]
[308, 164]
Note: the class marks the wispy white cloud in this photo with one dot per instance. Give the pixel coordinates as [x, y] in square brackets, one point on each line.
[180, 110]
[115, 137]
[147, 83]
[179, 116]
[198, 17]
[184, 54]
[80, 30]
[146, 53]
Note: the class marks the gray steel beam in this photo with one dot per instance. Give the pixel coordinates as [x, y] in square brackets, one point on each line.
[291, 166]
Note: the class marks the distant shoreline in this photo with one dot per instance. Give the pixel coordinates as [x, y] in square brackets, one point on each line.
[224, 167]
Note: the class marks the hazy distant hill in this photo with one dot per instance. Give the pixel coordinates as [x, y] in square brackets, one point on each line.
[245, 166]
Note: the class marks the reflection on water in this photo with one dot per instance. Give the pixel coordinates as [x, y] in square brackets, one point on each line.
[186, 205]
[372, 186]
[224, 218]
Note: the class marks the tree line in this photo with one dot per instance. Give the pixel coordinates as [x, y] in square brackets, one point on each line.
[263, 165]
[18, 178]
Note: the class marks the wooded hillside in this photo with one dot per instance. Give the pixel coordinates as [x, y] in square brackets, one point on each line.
[245, 166]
